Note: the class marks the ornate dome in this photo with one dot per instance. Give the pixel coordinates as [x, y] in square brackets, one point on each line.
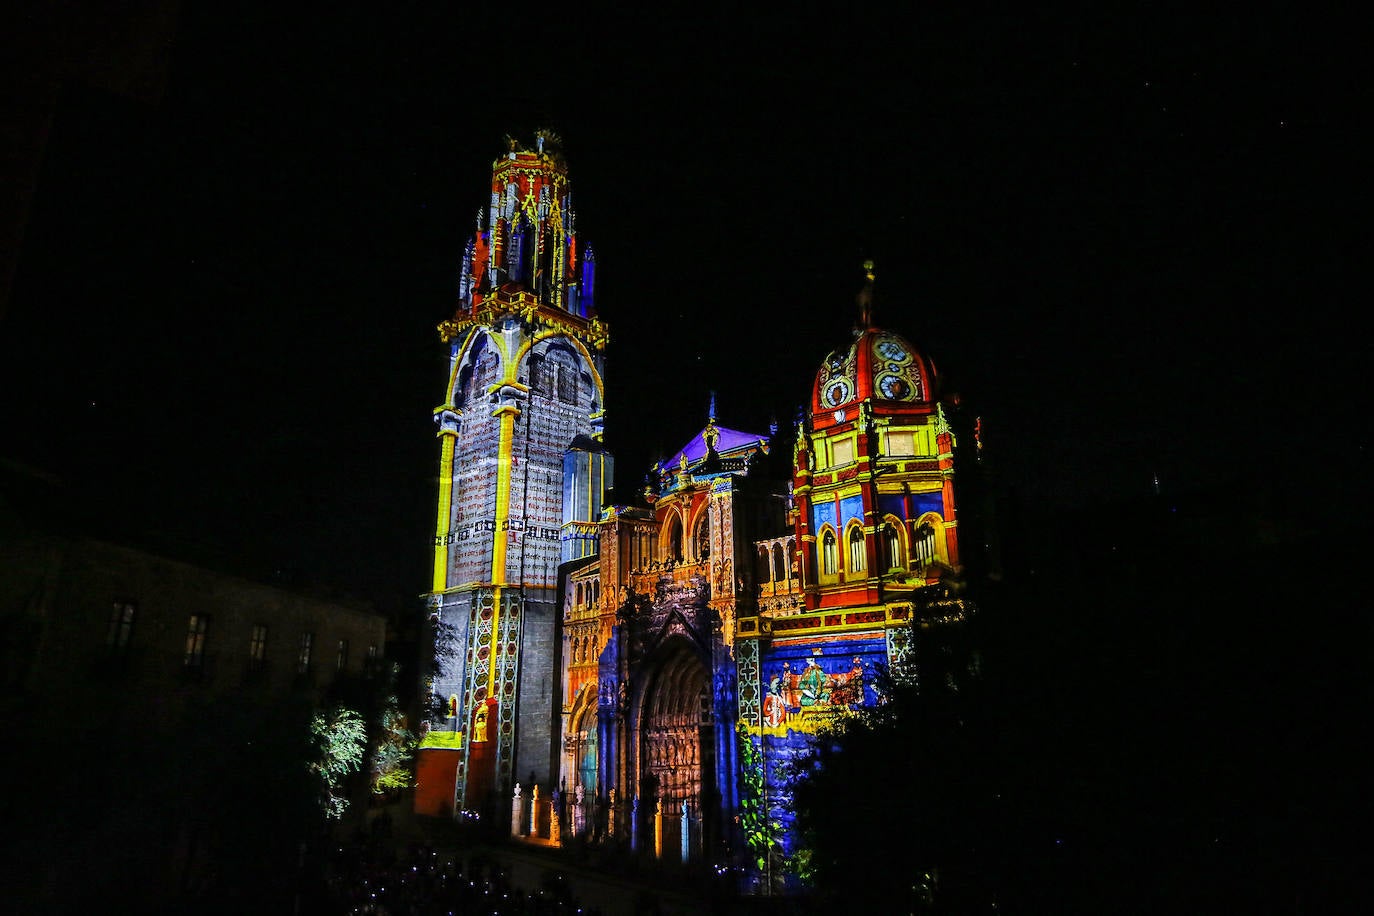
[879, 366]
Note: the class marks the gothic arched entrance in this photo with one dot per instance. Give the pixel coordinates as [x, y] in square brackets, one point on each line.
[676, 738]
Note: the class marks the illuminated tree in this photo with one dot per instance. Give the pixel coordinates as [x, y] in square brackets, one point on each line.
[761, 832]
[393, 752]
[339, 739]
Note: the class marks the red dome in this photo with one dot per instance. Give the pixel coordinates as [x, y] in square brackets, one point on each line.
[879, 367]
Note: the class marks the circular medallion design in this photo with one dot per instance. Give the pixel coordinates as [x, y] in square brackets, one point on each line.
[892, 351]
[837, 391]
[894, 387]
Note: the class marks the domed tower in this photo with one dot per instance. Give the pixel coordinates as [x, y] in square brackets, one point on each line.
[521, 471]
[874, 473]
[875, 580]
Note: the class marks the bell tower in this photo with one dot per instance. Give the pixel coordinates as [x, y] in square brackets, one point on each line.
[522, 412]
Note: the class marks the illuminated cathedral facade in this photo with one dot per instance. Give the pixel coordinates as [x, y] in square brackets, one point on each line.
[613, 670]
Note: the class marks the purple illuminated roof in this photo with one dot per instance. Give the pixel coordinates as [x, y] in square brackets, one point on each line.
[731, 440]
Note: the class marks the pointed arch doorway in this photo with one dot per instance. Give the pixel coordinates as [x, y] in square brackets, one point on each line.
[676, 742]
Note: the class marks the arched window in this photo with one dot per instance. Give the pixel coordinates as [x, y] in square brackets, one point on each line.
[856, 549]
[829, 559]
[892, 546]
[702, 539]
[762, 570]
[674, 538]
[923, 549]
[779, 567]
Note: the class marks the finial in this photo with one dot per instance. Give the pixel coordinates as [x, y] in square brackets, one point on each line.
[711, 410]
[865, 298]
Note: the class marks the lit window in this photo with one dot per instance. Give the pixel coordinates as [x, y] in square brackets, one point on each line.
[843, 452]
[703, 537]
[923, 550]
[121, 628]
[892, 546]
[901, 443]
[196, 629]
[372, 660]
[828, 553]
[307, 647]
[257, 646]
[856, 549]
[342, 661]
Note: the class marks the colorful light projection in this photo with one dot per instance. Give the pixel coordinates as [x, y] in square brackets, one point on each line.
[806, 685]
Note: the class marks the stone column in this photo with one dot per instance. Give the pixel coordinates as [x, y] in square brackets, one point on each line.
[517, 812]
[556, 818]
[686, 834]
[534, 810]
[658, 828]
[579, 817]
[612, 811]
[634, 824]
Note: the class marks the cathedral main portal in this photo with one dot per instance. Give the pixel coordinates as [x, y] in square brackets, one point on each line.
[675, 729]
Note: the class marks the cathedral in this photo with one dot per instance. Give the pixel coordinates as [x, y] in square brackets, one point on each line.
[631, 671]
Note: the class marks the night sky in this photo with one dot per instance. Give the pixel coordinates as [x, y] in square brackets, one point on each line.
[1121, 234]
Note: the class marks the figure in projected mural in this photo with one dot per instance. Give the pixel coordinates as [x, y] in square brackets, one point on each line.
[815, 688]
[774, 710]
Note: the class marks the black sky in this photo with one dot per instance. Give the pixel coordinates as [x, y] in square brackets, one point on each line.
[1122, 233]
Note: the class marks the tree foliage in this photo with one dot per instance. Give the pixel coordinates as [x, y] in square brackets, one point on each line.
[761, 833]
[393, 750]
[339, 740]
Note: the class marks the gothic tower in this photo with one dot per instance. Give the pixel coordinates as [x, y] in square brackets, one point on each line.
[521, 477]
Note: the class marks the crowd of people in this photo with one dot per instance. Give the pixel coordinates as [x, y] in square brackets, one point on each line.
[418, 880]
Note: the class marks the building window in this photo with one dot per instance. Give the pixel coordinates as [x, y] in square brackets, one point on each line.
[674, 539]
[307, 647]
[196, 629]
[257, 646]
[703, 537]
[901, 443]
[372, 660]
[828, 554]
[842, 451]
[779, 567]
[923, 550]
[856, 549]
[892, 546]
[342, 660]
[121, 628]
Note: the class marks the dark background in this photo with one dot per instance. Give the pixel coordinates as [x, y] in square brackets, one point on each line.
[1120, 232]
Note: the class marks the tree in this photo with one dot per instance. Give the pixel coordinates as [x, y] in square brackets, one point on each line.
[393, 750]
[339, 740]
[891, 804]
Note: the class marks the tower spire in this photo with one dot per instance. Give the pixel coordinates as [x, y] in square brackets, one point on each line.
[865, 298]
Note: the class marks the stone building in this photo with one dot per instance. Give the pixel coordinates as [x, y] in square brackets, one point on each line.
[750, 596]
[132, 677]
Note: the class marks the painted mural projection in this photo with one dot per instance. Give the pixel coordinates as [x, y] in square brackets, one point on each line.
[475, 468]
[560, 399]
[806, 686]
[474, 507]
